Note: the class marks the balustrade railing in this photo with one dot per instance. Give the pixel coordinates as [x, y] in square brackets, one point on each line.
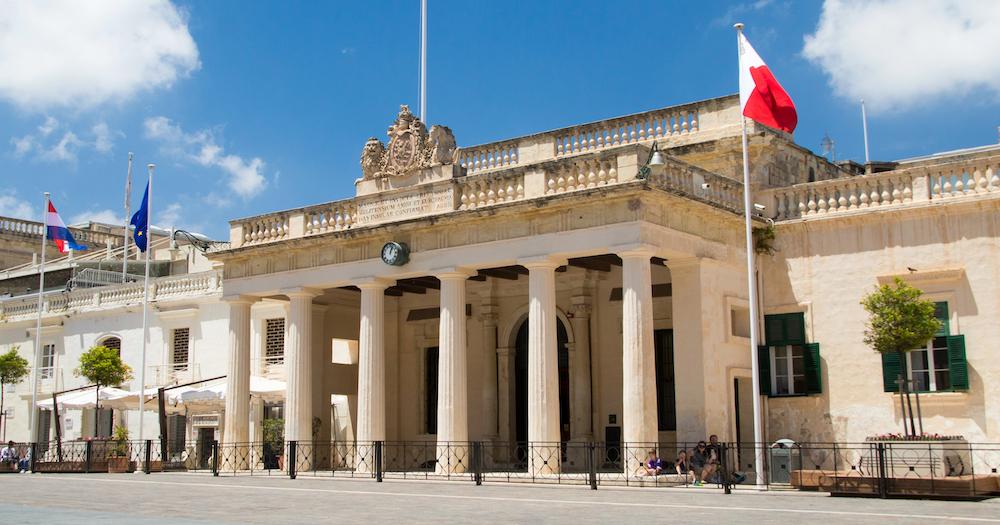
[582, 174]
[272, 366]
[34, 229]
[653, 125]
[476, 192]
[175, 373]
[162, 288]
[903, 186]
[693, 182]
[488, 157]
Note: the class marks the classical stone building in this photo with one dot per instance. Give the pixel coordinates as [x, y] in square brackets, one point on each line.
[555, 288]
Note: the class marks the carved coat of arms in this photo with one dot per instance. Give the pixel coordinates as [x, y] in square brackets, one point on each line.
[410, 148]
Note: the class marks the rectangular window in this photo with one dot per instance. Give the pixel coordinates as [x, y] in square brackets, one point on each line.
[181, 346]
[431, 389]
[176, 433]
[789, 366]
[666, 402]
[929, 367]
[48, 367]
[274, 340]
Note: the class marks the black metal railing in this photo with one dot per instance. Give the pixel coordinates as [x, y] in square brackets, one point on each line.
[875, 468]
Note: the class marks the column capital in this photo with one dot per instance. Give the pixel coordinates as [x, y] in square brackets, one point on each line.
[542, 262]
[634, 251]
[301, 291]
[240, 299]
[581, 310]
[453, 273]
[374, 283]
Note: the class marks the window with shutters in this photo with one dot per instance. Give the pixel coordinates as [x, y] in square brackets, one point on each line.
[181, 348]
[113, 343]
[274, 340]
[48, 368]
[176, 433]
[940, 366]
[789, 366]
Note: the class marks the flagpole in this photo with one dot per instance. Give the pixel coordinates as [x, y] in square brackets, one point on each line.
[145, 299]
[128, 213]
[423, 61]
[33, 420]
[758, 432]
[864, 125]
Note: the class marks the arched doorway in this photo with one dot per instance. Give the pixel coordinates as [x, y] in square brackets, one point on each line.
[521, 382]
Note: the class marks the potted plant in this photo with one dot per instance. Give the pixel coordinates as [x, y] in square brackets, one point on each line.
[274, 441]
[118, 456]
[900, 321]
[102, 366]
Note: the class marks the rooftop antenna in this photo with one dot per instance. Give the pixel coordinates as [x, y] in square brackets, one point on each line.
[829, 147]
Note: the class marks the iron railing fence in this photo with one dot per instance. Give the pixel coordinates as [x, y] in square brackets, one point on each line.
[875, 468]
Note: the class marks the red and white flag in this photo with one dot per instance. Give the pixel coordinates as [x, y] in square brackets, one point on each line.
[761, 96]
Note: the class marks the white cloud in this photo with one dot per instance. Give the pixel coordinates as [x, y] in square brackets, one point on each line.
[898, 54]
[171, 215]
[732, 14]
[68, 53]
[13, 206]
[50, 146]
[245, 177]
[106, 216]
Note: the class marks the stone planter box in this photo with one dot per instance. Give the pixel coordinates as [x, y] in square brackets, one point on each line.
[926, 459]
[120, 465]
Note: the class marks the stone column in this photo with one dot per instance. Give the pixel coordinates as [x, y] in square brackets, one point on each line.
[690, 316]
[543, 367]
[639, 426]
[237, 416]
[371, 372]
[298, 372]
[489, 319]
[453, 381]
[583, 425]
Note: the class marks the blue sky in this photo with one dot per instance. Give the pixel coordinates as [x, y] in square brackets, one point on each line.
[250, 107]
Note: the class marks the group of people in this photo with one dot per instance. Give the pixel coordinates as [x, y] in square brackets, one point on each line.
[9, 456]
[699, 467]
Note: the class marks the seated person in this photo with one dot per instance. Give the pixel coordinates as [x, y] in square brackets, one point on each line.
[8, 455]
[25, 464]
[703, 463]
[654, 465]
[681, 465]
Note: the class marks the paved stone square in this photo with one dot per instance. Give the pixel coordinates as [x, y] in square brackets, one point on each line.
[193, 498]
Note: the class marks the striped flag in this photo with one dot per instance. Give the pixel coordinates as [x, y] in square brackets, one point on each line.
[58, 232]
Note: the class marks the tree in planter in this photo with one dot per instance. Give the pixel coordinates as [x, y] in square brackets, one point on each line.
[274, 441]
[102, 366]
[13, 369]
[899, 321]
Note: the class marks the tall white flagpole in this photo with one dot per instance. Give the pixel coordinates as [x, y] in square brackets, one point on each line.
[33, 420]
[758, 431]
[145, 299]
[864, 125]
[423, 61]
[128, 213]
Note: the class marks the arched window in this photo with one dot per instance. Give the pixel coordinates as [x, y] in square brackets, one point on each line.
[113, 343]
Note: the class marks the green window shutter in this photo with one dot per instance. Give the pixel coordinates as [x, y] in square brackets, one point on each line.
[764, 367]
[774, 329]
[957, 366]
[891, 368]
[941, 313]
[813, 370]
[785, 329]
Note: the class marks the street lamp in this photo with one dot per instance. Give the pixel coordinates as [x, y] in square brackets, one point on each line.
[655, 160]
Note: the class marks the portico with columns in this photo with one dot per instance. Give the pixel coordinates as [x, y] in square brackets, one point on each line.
[542, 296]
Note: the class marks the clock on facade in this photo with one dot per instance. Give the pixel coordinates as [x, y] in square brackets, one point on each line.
[395, 253]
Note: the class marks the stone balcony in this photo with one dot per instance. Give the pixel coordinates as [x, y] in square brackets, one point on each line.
[604, 153]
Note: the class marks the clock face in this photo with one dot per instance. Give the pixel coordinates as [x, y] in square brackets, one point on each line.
[394, 254]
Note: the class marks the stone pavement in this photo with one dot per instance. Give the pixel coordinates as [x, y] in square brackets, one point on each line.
[183, 499]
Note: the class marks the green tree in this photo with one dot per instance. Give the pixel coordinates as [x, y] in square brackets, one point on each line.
[899, 321]
[102, 366]
[13, 369]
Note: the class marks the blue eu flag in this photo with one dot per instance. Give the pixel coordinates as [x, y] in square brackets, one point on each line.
[140, 223]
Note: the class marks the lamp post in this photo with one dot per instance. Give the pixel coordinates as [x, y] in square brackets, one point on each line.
[654, 160]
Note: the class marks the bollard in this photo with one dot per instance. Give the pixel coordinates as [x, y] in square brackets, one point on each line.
[477, 462]
[592, 464]
[215, 458]
[883, 489]
[378, 461]
[292, 450]
[31, 464]
[727, 486]
[147, 468]
[88, 451]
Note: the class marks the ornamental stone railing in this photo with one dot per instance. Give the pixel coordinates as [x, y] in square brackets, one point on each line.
[30, 229]
[569, 159]
[114, 296]
[969, 176]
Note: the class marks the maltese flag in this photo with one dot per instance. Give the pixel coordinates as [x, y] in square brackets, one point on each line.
[761, 96]
[58, 232]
